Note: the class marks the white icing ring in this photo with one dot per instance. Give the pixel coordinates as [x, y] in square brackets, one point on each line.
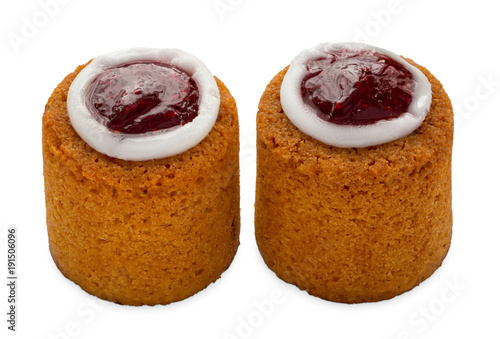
[305, 119]
[150, 145]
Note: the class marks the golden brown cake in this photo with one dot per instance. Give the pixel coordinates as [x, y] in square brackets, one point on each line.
[353, 225]
[141, 232]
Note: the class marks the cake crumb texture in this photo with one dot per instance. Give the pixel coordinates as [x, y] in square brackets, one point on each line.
[353, 225]
[141, 232]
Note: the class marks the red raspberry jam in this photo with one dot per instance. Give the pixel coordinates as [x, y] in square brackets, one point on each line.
[357, 87]
[142, 96]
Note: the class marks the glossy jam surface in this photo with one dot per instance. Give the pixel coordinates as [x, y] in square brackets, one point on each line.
[143, 96]
[357, 87]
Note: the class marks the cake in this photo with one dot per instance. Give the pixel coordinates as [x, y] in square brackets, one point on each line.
[361, 220]
[137, 227]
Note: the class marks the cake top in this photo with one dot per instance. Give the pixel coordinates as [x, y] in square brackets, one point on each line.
[354, 95]
[143, 103]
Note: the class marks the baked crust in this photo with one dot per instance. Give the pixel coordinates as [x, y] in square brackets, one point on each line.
[353, 224]
[141, 232]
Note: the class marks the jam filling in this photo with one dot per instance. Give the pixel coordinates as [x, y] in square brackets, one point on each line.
[357, 87]
[143, 96]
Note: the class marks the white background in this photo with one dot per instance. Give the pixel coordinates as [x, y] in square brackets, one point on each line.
[245, 43]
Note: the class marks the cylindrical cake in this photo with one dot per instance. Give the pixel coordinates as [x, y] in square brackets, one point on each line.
[358, 224]
[141, 232]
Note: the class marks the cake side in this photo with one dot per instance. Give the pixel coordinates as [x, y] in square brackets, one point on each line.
[353, 224]
[141, 232]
